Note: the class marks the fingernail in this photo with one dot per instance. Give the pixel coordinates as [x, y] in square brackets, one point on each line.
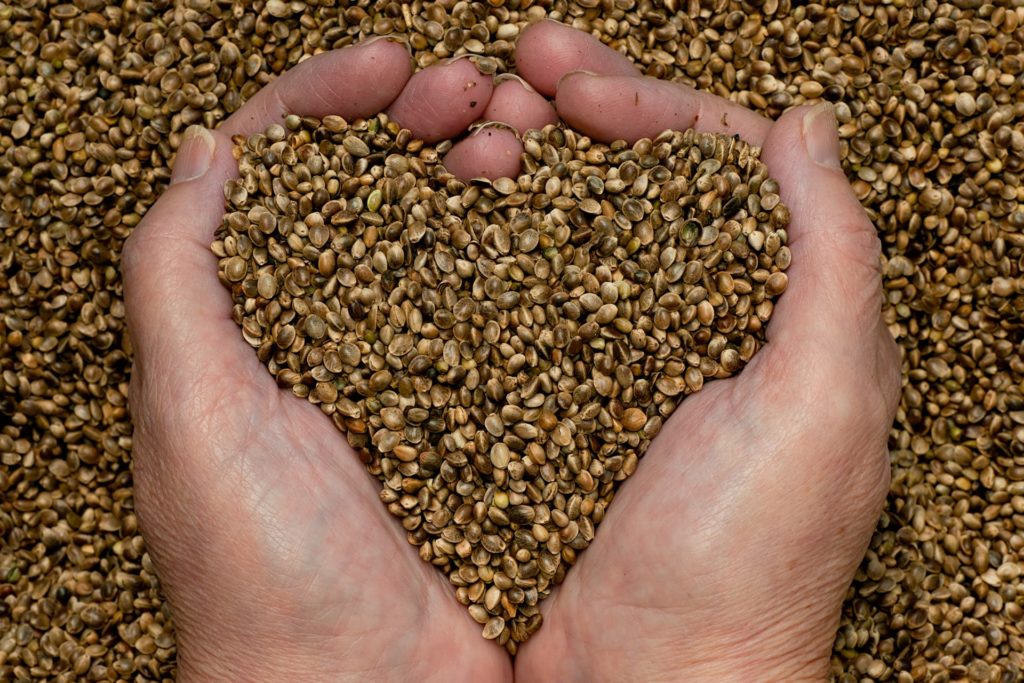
[821, 136]
[452, 60]
[501, 78]
[482, 126]
[195, 154]
[397, 38]
[577, 72]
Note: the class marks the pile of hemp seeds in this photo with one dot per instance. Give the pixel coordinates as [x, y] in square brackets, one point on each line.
[500, 354]
[94, 98]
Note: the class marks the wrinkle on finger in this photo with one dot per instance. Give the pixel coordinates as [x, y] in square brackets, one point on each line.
[840, 265]
[323, 89]
[834, 297]
[845, 248]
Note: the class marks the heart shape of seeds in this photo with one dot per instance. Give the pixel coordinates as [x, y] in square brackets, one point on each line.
[500, 354]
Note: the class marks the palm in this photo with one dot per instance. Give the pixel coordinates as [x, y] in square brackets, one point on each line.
[312, 520]
[728, 552]
[706, 533]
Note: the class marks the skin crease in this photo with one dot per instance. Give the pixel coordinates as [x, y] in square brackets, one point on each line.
[725, 557]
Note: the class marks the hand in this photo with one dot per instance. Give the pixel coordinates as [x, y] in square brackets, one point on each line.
[727, 555]
[288, 566]
[276, 554]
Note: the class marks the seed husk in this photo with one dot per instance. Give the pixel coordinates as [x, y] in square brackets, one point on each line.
[525, 361]
[938, 187]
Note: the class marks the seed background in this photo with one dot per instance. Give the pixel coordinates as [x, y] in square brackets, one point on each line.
[94, 97]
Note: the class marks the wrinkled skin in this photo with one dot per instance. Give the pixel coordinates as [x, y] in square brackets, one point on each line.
[725, 557]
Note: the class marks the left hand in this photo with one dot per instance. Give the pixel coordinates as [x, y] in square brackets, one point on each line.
[275, 552]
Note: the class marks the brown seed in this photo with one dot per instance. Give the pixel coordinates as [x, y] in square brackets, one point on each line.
[405, 453]
[634, 419]
[493, 628]
[499, 375]
[355, 146]
[776, 283]
[500, 456]
[267, 286]
[939, 188]
[235, 269]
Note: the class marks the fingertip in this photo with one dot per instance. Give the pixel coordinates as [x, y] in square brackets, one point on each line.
[517, 104]
[490, 152]
[192, 206]
[442, 100]
[195, 154]
[391, 53]
[548, 50]
[835, 285]
[802, 153]
[821, 136]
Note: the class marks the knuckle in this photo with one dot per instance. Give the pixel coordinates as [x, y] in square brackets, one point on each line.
[857, 243]
[140, 246]
[890, 371]
[853, 269]
[132, 254]
[845, 401]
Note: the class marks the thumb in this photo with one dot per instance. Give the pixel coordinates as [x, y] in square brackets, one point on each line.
[178, 312]
[826, 335]
[833, 301]
[174, 299]
[195, 155]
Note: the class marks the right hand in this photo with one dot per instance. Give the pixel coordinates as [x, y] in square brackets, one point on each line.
[727, 555]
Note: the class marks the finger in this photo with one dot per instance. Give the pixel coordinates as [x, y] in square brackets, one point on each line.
[169, 270]
[833, 300]
[442, 100]
[548, 50]
[489, 152]
[495, 152]
[611, 108]
[517, 104]
[353, 82]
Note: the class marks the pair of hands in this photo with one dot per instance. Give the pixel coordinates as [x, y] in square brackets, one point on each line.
[725, 557]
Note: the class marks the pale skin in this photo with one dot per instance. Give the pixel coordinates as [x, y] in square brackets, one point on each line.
[724, 558]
